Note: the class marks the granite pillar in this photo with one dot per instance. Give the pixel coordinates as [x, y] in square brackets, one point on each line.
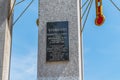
[59, 11]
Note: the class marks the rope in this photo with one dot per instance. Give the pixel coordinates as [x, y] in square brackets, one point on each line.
[115, 5]
[87, 16]
[23, 12]
[84, 4]
[86, 9]
[20, 2]
[81, 30]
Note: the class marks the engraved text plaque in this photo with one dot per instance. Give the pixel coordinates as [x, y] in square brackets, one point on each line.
[57, 46]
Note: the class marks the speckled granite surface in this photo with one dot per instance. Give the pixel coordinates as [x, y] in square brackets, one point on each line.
[59, 10]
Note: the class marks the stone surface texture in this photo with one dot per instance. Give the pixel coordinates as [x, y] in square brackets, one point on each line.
[52, 11]
[5, 40]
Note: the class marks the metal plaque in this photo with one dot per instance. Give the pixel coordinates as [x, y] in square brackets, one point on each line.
[57, 48]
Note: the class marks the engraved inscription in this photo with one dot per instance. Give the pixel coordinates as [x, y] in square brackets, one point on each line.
[57, 47]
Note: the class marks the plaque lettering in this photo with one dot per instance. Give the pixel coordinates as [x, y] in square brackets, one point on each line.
[57, 48]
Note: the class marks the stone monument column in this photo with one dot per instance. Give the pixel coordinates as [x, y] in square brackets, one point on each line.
[59, 49]
[5, 39]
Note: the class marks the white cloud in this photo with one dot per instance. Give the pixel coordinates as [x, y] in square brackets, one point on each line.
[24, 67]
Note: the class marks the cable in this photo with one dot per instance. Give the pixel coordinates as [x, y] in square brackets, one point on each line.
[84, 4]
[81, 43]
[115, 5]
[87, 16]
[86, 9]
[23, 12]
[20, 2]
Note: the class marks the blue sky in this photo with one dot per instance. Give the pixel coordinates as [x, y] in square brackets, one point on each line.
[24, 43]
[101, 45]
